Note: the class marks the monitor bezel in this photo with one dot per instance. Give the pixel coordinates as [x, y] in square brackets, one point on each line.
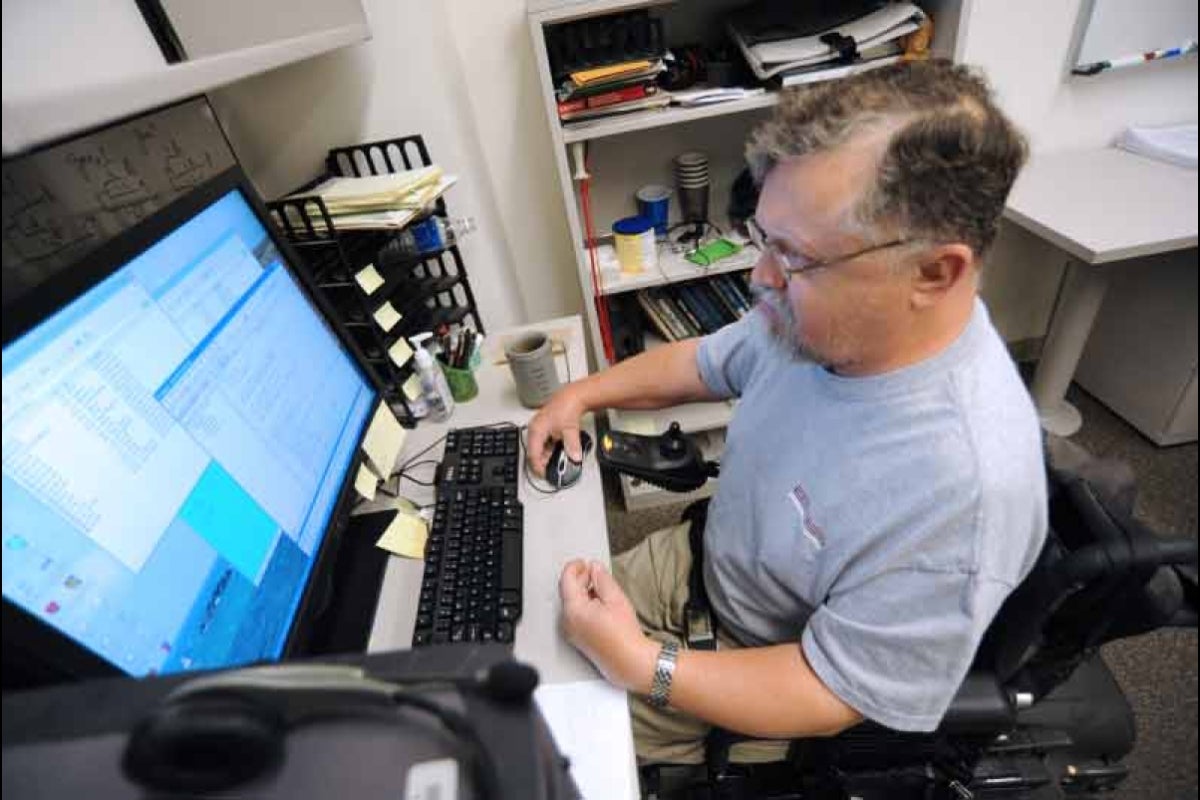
[41, 652]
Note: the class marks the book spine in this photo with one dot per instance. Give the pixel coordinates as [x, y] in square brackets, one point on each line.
[689, 312]
[716, 316]
[680, 330]
[728, 297]
[722, 309]
[727, 293]
[655, 318]
[739, 285]
[702, 311]
[685, 319]
[688, 297]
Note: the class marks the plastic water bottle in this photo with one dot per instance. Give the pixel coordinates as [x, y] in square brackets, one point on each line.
[434, 389]
[431, 235]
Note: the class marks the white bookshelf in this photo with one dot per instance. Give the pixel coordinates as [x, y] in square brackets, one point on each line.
[629, 150]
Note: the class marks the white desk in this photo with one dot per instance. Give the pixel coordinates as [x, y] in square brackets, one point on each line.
[1100, 206]
[558, 527]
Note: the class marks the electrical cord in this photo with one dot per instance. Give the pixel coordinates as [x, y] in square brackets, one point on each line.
[402, 474]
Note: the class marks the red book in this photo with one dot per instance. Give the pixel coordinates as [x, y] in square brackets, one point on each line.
[622, 95]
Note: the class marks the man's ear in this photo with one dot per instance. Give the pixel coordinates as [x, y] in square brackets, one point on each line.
[941, 270]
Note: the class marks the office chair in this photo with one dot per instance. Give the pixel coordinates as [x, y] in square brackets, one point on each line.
[1039, 714]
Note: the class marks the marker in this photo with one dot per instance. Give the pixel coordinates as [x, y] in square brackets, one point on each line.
[1140, 58]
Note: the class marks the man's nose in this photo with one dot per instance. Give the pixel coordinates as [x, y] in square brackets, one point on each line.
[767, 273]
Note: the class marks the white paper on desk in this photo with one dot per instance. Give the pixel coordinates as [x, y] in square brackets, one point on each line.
[383, 440]
[582, 716]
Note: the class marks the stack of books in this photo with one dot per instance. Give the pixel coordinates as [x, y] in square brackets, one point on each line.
[684, 310]
[611, 89]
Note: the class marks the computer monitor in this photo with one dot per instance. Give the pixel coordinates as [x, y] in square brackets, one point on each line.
[180, 429]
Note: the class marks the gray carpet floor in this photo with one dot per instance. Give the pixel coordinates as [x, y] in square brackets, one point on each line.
[1158, 671]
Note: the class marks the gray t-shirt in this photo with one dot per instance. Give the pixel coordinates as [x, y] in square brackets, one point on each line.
[880, 521]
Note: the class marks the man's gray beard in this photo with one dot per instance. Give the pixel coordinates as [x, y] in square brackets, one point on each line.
[781, 321]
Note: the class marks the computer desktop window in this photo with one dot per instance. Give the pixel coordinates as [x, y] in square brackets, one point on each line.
[174, 443]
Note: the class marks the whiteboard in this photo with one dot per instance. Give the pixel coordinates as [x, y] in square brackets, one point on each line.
[1118, 29]
[63, 202]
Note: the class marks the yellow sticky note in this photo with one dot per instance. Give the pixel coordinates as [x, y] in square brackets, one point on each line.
[387, 316]
[405, 536]
[412, 387]
[368, 279]
[365, 482]
[400, 352]
[383, 440]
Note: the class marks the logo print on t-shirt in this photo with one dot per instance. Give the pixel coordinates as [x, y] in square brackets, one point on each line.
[800, 501]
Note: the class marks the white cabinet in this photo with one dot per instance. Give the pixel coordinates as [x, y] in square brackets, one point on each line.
[1141, 355]
[627, 151]
[73, 65]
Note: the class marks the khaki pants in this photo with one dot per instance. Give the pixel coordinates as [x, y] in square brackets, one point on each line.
[654, 575]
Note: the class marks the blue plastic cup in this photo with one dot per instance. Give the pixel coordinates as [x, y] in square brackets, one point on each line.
[653, 202]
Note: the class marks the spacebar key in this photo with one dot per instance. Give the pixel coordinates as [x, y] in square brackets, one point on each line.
[510, 563]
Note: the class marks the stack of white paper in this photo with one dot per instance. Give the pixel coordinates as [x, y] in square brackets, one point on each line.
[1175, 144]
[356, 214]
[376, 192]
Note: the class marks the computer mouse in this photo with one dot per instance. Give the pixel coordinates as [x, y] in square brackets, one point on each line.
[561, 471]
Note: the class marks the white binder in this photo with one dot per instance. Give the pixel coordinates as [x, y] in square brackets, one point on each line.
[874, 30]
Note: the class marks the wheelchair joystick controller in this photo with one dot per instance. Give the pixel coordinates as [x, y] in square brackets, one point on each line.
[670, 461]
[673, 445]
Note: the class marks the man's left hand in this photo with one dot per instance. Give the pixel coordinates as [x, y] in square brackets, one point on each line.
[599, 620]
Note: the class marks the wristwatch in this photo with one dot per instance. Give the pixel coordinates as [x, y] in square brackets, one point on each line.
[664, 672]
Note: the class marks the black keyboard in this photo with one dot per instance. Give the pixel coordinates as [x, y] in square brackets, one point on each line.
[471, 591]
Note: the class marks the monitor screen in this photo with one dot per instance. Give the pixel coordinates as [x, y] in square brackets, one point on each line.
[175, 440]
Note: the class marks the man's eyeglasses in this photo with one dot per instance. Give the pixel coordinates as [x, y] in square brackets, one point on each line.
[794, 263]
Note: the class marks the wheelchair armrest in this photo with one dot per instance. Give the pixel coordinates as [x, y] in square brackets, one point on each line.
[982, 706]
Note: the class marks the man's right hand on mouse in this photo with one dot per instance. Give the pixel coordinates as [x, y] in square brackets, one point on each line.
[558, 420]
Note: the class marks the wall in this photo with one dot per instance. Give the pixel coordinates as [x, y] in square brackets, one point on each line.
[1025, 46]
[407, 79]
[493, 44]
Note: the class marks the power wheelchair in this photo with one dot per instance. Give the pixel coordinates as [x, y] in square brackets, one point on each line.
[1039, 715]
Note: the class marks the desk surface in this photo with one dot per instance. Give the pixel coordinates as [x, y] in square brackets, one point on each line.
[558, 527]
[1105, 205]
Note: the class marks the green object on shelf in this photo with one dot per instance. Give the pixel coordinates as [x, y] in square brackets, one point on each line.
[462, 383]
[713, 252]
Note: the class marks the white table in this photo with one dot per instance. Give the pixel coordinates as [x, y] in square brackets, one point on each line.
[1101, 207]
[559, 527]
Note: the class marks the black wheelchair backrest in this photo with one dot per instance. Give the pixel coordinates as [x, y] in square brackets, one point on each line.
[1101, 576]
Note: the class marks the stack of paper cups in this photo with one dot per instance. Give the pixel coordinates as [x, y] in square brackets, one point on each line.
[691, 173]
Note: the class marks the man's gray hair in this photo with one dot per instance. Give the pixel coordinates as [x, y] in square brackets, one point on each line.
[948, 162]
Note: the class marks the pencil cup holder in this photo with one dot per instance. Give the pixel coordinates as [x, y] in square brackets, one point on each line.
[463, 386]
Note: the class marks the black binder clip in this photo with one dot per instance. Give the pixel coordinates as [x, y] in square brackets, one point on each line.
[846, 47]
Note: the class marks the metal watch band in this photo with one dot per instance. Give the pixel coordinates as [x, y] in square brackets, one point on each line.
[664, 671]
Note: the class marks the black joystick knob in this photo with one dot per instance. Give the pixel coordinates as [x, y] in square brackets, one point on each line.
[673, 444]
